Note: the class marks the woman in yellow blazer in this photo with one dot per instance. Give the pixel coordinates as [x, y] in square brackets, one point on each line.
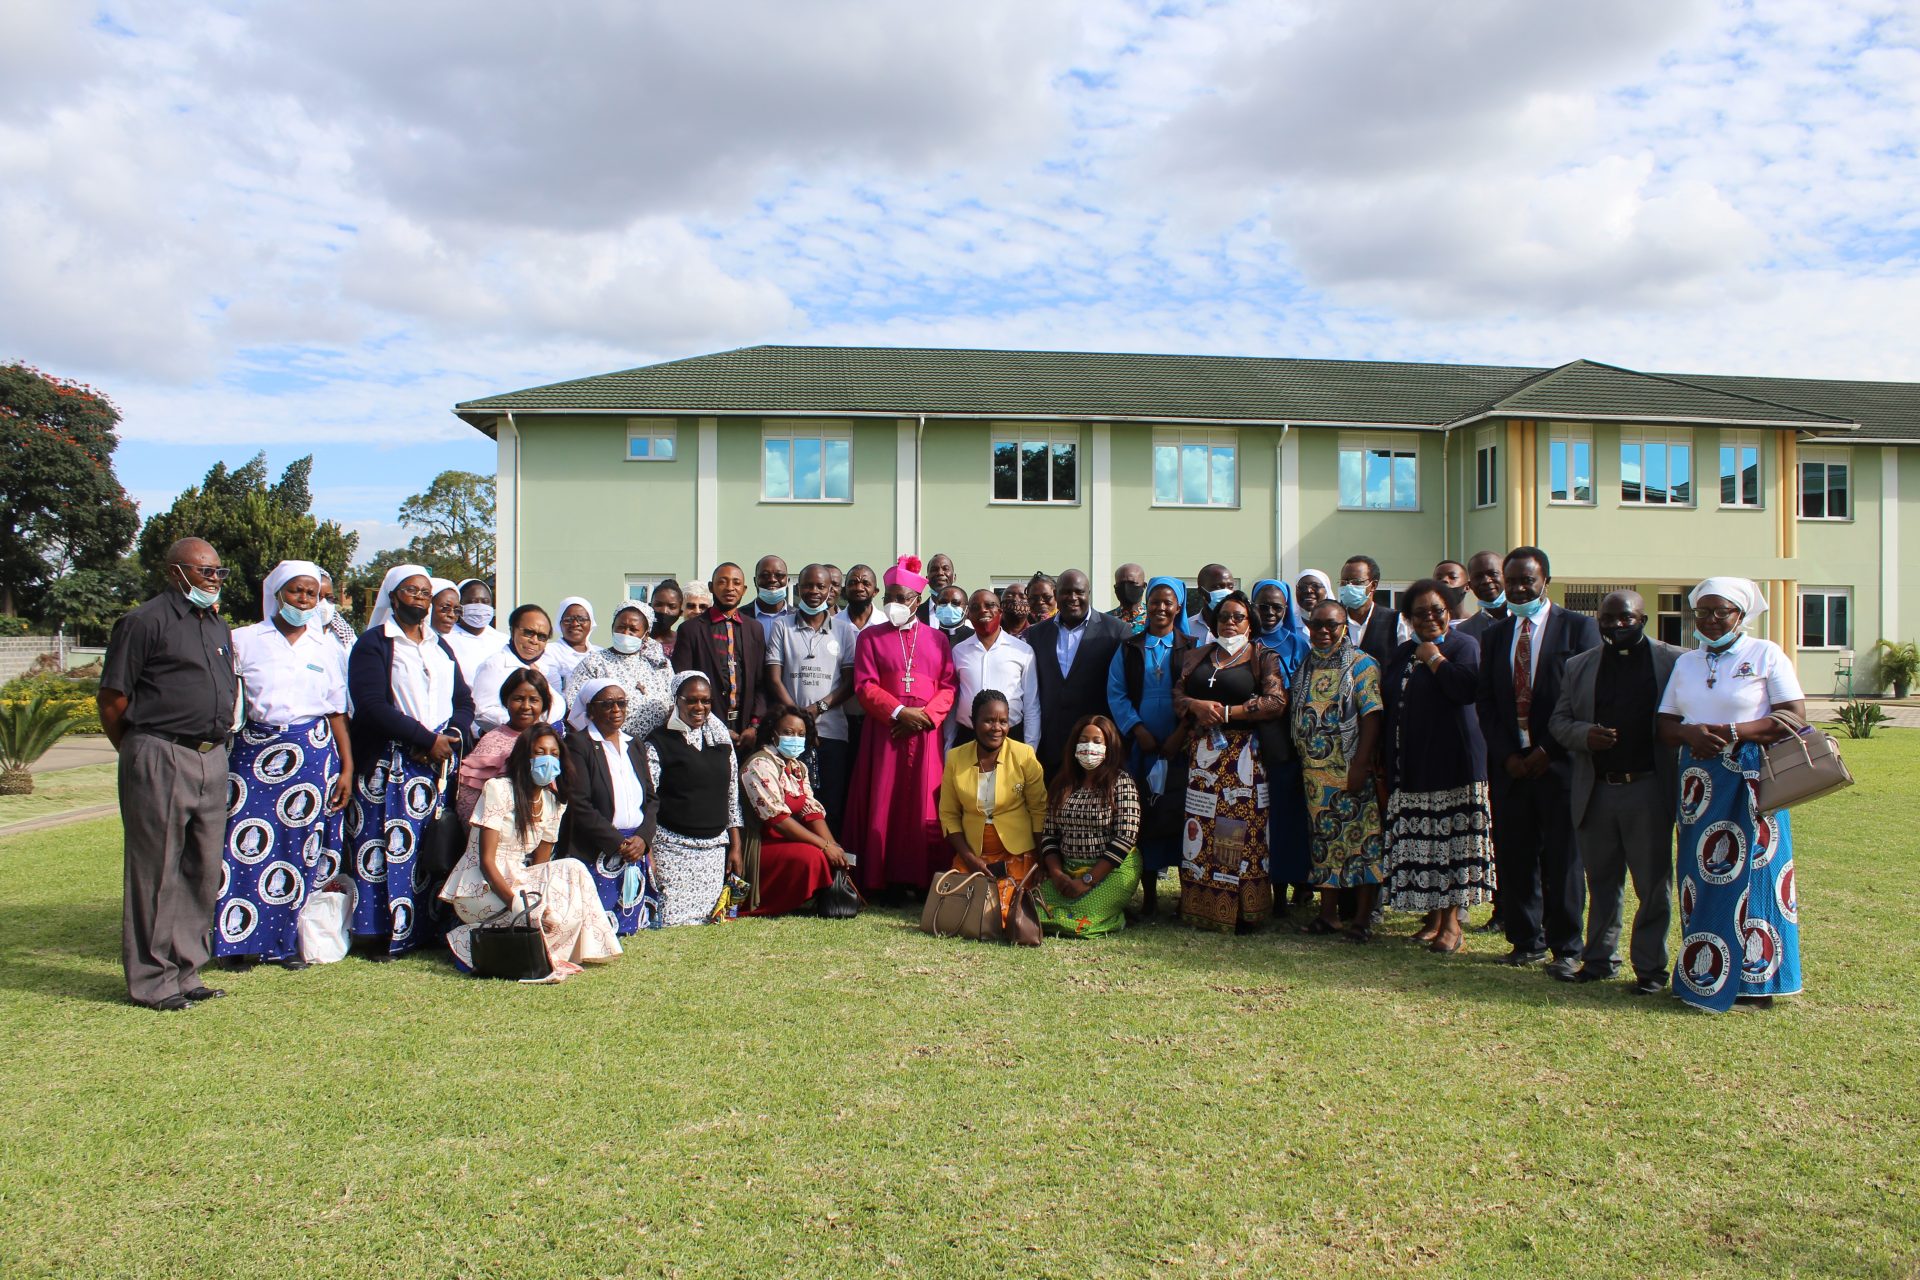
[993, 798]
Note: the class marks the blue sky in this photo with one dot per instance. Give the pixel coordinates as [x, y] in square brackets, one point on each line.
[313, 228]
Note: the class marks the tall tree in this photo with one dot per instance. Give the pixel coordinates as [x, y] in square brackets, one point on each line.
[455, 522]
[253, 525]
[61, 506]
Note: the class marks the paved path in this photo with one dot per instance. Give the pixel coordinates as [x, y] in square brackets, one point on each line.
[1900, 715]
[76, 751]
[59, 819]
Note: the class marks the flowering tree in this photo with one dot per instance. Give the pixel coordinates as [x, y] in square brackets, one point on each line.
[62, 509]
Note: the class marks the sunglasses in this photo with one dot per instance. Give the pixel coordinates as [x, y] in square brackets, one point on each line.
[1325, 624]
[217, 574]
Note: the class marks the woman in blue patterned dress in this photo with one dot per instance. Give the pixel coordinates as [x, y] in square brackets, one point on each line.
[1289, 842]
[1140, 696]
[287, 775]
[412, 717]
[1739, 915]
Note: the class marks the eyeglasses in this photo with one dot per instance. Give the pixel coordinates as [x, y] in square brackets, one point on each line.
[609, 702]
[216, 573]
[535, 635]
[1430, 615]
[1715, 615]
[413, 593]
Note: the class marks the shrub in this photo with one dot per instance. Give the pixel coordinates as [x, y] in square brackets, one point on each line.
[74, 694]
[1859, 719]
[1898, 664]
[27, 730]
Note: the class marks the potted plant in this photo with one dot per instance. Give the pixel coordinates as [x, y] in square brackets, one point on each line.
[27, 730]
[1898, 664]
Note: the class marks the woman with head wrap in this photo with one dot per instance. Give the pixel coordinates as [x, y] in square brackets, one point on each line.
[574, 640]
[634, 658]
[1140, 696]
[330, 620]
[1276, 626]
[903, 676]
[1337, 716]
[1313, 587]
[696, 791]
[1739, 914]
[412, 718]
[446, 609]
[288, 774]
[611, 824]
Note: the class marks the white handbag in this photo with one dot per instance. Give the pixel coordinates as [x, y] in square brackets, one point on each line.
[326, 924]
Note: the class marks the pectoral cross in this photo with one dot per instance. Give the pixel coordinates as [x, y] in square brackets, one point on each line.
[906, 682]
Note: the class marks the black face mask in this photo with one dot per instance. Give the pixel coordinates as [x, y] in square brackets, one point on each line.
[1623, 637]
[409, 615]
[1129, 593]
[1454, 595]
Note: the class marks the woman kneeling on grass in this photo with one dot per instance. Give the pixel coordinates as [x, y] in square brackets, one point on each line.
[1093, 822]
[797, 855]
[697, 840]
[509, 858]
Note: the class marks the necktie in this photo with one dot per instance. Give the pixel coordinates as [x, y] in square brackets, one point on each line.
[727, 622]
[1523, 682]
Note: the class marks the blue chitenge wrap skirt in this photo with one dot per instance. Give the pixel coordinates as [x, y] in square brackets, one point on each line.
[391, 803]
[632, 903]
[281, 842]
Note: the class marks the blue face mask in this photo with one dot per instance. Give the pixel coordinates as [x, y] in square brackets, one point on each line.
[1354, 594]
[1498, 602]
[198, 597]
[949, 615]
[546, 770]
[1218, 594]
[630, 887]
[791, 745]
[295, 617]
[773, 597]
[1721, 645]
[1530, 610]
[811, 610]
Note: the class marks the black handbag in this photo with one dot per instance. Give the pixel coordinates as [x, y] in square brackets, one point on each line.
[511, 946]
[840, 900]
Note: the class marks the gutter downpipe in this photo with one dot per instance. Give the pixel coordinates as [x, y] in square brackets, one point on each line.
[1446, 487]
[1279, 520]
[515, 597]
[919, 472]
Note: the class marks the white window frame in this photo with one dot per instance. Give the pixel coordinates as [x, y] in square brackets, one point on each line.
[1829, 595]
[1053, 438]
[655, 431]
[1826, 457]
[1739, 441]
[1365, 444]
[647, 583]
[1571, 437]
[792, 433]
[1486, 469]
[1640, 437]
[1178, 440]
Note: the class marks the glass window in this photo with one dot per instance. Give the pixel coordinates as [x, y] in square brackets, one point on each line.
[1823, 617]
[1042, 467]
[1486, 469]
[1656, 468]
[650, 439]
[1739, 469]
[1570, 466]
[1825, 488]
[800, 463]
[1196, 469]
[1379, 473]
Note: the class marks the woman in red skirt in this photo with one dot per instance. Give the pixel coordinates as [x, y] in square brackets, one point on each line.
[798, 855]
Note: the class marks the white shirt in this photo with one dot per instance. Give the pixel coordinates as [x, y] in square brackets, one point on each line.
[1749, 681]
[559, 660]
[422, 676]
[628, 793]
[471, 649]
[488, 712]
[289, 683]
[1006, 666]
[1066, 642]
[1357, 627]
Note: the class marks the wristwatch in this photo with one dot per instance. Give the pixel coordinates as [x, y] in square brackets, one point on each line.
[1086, 878]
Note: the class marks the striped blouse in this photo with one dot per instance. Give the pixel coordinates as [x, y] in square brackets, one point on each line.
[1085, 827]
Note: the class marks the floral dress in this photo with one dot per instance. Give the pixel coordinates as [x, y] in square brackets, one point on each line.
[1331, 694]
[647, 677]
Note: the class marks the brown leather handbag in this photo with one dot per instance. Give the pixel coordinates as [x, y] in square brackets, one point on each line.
[963, 904]
[1023, 916]
[1803, 766]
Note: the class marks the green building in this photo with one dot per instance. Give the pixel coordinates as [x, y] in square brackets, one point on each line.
[1012, 461]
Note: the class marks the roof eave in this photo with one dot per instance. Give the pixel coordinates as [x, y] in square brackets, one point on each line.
[1658, 418]
[483, 418]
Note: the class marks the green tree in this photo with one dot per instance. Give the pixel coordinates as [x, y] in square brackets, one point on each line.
[455, 522]
[253, 525]
[87, 602]
[61, 506]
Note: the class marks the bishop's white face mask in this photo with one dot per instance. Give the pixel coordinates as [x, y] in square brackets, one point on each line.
[1232, 644]
[900, 615]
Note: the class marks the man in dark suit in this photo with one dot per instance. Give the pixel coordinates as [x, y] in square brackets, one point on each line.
[1542, 889]
[1373, 630]
[1071, 653]
[1626, 789]
[731, 649]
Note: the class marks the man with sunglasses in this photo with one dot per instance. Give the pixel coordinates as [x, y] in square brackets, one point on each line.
[168, 702]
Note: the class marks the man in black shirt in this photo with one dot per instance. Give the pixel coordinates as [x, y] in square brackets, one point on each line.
[168, 697]
[1625, 789]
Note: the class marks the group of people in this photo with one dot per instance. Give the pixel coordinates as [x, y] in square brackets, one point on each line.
[846, 734]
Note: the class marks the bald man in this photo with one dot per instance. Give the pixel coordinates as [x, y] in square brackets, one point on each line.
[1130, 591]
[168, 702]
[771, 605]
[1625, 789]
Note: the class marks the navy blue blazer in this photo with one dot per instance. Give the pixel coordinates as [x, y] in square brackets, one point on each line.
[1566, 634]
[1065, 697]
[376, 721]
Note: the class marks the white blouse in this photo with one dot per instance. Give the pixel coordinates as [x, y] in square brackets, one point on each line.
[628, 793]
[422, 676]
[286, 683]
[488, 712]
[1749, 680]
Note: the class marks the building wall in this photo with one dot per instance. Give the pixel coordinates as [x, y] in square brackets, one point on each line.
[802, 532]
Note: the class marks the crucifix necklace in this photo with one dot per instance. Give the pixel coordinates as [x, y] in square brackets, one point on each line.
[1230, 662]
[906, 655]
[1713, 668]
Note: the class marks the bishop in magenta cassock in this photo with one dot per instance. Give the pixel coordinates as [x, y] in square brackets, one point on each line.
[903, 676]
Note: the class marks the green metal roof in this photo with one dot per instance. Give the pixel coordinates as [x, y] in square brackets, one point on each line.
[907, 381]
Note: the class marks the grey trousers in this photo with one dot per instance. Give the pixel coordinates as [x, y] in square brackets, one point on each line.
[173, 807]
[1628, 830]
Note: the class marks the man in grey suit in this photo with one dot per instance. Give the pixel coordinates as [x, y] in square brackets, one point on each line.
[1625, 789]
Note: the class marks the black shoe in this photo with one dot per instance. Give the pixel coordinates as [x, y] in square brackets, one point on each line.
[170, 1004]
[1649, 986]
[203, 993]
[1494, 924]
[1562, 970]
[1754, 1002]
[237, 964]
[1593, 975]
[293, 966]
[1518, 958]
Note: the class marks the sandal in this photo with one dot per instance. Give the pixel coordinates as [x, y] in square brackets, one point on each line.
[1358, 934]
[1441, 949]
[1318, 926]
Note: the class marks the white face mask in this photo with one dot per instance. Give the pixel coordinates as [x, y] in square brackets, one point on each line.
[1090, 754]
[476, 615]
[323, 614]
[624, 643]
[900, 615]
[1232, 644]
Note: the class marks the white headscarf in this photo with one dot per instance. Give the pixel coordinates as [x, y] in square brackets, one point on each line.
[464, 583]
[587, 692]
[283, 573]
[383, 605]
[641, 607]
[437, 585]
[561, 612]
[711, 732]
[1742, 593]
[1293, 596]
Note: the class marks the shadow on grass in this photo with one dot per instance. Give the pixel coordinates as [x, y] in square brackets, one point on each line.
[57, 949]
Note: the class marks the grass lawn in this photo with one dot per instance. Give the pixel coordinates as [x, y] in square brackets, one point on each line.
[58, 792]
[811, 1098]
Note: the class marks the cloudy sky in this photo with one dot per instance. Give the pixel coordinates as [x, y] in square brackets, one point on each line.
[314, 227]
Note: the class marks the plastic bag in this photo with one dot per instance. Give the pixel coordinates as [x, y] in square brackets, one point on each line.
[326, 922]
